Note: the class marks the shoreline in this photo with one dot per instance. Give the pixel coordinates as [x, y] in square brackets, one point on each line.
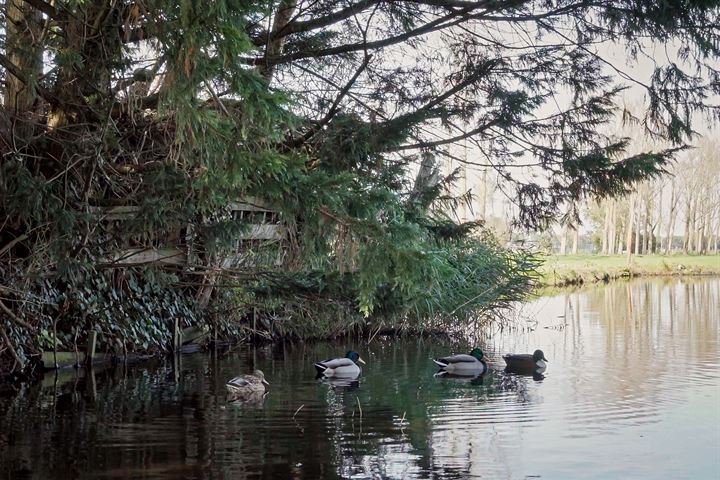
[573, 270]
[556, 273]
[69, 362]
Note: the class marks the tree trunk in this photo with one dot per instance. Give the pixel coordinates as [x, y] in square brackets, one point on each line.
[708, 243]
[283, 15]
[686, 235]
[606, 229]
[631, 212]
[657, 239]
[427, 178]
[563, 240]
[576, 238]
[671, 221]
[23, 27]
[694, 223]
[612, 228]
[670, 234]
[483, 203]
[646, 225]
[637, 230]
[702, 236]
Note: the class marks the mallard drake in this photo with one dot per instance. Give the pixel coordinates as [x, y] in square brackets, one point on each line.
[340, 367]
[464, 364]
[247, 385]
[525, 363]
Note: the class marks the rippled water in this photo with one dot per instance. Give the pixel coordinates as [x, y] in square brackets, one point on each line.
[632, 391]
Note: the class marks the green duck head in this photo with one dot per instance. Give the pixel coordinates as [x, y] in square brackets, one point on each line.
[477, 353]
[538, 355]
[355, 357]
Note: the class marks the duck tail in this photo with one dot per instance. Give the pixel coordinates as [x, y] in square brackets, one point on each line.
[320, 368]
[440, 363]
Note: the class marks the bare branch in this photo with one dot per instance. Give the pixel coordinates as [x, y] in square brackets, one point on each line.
[446, 141]
[333, 108]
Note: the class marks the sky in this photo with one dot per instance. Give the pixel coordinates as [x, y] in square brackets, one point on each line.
[494, 197]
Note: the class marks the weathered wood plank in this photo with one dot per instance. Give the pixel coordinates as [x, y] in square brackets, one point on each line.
[263, 232]
[252, 204]
[244, 260]
[141, 256]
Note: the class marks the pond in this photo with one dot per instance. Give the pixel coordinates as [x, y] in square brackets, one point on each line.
[632, 390]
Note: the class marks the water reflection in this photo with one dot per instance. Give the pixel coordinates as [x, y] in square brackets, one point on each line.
[476, 379]
[634, 378]
[340, 383]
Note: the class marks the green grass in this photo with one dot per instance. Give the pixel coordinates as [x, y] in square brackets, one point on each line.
[558, 270]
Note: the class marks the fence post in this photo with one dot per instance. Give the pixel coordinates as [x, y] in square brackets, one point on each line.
[90, 347]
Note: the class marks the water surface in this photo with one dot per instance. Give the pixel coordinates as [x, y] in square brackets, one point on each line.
[632, 391]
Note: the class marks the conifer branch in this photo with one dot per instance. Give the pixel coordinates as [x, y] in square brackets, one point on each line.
[435, 25]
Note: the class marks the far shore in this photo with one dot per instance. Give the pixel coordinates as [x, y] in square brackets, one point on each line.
[563, 270]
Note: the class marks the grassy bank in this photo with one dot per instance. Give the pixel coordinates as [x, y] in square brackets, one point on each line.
[559, 270]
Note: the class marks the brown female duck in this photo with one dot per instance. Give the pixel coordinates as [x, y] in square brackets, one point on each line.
[247, 386]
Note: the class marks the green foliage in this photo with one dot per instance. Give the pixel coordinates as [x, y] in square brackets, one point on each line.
[133, 311]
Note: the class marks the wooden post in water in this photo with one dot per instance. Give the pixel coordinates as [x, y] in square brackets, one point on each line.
[176, 367]
[55, 343]
[92, 383]
[177, 336]
[254, 321]
[90, 347]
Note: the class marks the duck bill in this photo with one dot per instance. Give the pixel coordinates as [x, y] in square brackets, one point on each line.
[266, 382]
[545, 359]
[360, 360]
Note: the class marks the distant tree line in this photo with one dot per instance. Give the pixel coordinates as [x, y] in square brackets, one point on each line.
[679, 212]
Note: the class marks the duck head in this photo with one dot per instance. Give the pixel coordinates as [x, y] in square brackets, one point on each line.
[355, 357]
[477, 353]
[259, 374]
[539, 355]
